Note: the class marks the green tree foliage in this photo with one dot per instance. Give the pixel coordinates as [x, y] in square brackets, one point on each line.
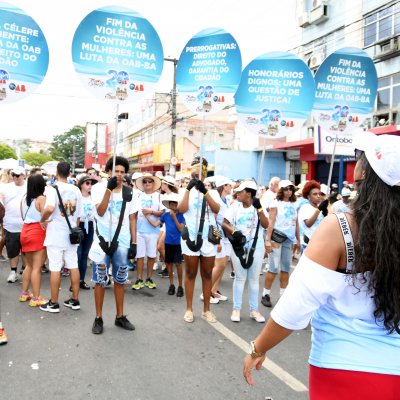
[35, 159]
[6, 152]
[62, 148]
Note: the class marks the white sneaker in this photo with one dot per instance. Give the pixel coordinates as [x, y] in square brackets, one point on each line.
[155, 267]
[220, 296]
[13, 277]
[235, 317]
[257, 317]
[213, 300]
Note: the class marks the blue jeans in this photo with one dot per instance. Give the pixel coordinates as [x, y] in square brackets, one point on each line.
[281, 257]
[119, 263]
[83, 249]
[252, 275]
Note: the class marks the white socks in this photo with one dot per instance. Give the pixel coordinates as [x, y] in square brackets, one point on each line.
[266, 291]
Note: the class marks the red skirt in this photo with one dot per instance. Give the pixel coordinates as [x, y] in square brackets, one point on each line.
[32, 237]
[334, 384]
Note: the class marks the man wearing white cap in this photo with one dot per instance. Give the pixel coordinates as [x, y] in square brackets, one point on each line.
[11, 198]
[343, 205]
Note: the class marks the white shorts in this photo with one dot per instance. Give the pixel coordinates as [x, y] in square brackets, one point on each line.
[62, 257]
[146, 245]
[207, 249]
[225, 250]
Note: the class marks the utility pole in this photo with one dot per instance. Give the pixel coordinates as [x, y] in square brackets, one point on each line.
[73, 157]
[172, 169]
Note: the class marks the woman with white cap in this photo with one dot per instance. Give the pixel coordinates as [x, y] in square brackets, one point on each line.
[243, 222]
[348, 283]
[282, 219]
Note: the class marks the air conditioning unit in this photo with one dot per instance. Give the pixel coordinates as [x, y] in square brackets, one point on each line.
[316, 60]
[303, 20]
[319, 13]
[387, 49]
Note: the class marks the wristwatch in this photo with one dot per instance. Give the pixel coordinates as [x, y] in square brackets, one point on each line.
[253, 352]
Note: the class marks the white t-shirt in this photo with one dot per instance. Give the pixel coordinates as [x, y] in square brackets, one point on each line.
[245, 220]
[149, 201]
[12, 196]
[285, 217]
[192, 216]
[306, 212]
[339, 206]
[113, 211]
[57, 232]
[223, 208]
[267, 198]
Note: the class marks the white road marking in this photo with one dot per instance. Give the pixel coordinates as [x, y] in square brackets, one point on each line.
[275, 369]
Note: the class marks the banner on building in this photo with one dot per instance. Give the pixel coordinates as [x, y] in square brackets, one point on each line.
[208, 71]
[275, 95]
[324, 142]
[346, 86]
[24, 55]
[117, 54]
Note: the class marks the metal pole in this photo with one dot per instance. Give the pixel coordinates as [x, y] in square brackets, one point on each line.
[172, 169]
[113, 166]
[200, 170]
[96, 145]
[261, 164]
[331, 166]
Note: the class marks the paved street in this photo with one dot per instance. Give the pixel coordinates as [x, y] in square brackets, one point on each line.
[55, 356]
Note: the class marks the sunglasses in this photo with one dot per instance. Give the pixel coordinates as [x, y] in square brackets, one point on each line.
[286, 189]
[148, 181]
[357, 154]
[15, 175]
[88, 183]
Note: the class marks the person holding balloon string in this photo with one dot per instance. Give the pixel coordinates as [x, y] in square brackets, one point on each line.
[198, 206]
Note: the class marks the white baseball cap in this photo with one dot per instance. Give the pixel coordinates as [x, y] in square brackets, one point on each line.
[324, 189]
[222, 180]
[285, 183]
[383, 154]
[346, 192]
[246, 185]
[18, 171]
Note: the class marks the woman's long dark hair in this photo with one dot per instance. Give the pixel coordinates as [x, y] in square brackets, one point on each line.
[377, 248]
[35, 188]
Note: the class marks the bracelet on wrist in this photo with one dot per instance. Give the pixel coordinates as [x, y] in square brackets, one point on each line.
[260, 210]
[206, 193]
[109, 190]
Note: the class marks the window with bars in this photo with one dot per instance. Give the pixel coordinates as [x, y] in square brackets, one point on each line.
[382, 25]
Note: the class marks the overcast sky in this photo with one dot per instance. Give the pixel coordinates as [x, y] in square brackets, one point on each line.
[259, 26]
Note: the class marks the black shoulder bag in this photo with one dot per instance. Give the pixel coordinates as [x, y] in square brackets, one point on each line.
[76, 234]
[196, 245]
[246, 264]
[110, 249]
